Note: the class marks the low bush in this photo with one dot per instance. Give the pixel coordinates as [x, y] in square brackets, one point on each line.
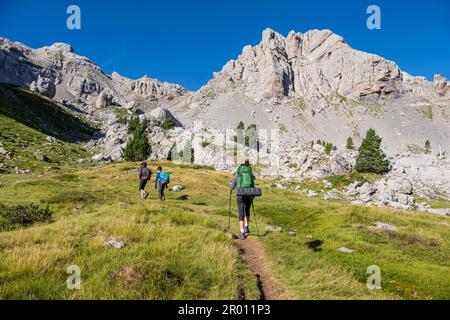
[23, 215]
[71, 197]
[168, 124]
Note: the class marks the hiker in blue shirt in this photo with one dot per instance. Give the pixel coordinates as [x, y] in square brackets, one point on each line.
[161, 181]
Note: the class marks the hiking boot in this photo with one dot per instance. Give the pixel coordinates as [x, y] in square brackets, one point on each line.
[242, 236]
[146, 195]
[247, 229]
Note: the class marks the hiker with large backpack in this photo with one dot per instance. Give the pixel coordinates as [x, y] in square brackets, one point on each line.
[244, 179]
[145, 175]
[161, 182]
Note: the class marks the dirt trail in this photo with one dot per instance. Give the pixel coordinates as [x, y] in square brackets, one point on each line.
[252, 253]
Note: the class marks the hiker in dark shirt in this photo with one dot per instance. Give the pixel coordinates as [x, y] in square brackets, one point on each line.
[145, 175]
[244, 178]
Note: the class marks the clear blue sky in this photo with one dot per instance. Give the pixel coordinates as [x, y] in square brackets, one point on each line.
[185, 41]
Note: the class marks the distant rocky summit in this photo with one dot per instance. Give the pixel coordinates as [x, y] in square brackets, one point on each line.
[307, 86]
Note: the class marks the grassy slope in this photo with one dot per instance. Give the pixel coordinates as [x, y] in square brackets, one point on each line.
[42, 114]
[178, 249]
[175, 249]
[23, 139]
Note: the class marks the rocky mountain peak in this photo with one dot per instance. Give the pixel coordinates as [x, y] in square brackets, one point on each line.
[315, 65]
[57, 72]
[59, 47]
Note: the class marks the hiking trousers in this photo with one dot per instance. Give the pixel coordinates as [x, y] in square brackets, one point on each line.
[244, 204]
[161, 187]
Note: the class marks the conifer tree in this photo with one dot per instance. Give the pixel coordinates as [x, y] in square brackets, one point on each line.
[371, 157]
[138, 148]
[350, 145]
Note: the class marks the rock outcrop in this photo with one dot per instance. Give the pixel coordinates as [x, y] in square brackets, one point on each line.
[315, 65]
[57, 72]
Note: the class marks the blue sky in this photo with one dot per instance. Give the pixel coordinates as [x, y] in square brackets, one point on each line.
[185, 41]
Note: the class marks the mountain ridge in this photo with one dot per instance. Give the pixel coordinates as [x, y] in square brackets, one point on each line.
[308, 86]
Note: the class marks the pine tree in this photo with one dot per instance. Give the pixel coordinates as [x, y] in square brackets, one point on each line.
[138, 148]
[328, 147]
[168, 124]
[427, 147]
[350, 145]
[132, 124]
[371, 157]
[251, 137]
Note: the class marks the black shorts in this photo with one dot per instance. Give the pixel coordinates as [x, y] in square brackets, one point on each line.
[142, 184]
[244, 204]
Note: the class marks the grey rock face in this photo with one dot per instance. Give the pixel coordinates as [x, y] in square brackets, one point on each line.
[312, 65]
[366, 192]
[315, 163]
[57, 72]
[395, 192]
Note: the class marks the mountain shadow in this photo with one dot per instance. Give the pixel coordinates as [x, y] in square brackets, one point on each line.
[42, 114]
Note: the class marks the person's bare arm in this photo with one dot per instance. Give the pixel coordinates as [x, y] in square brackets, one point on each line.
[233, 183]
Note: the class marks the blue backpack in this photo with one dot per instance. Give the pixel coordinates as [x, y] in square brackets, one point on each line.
[165, 177]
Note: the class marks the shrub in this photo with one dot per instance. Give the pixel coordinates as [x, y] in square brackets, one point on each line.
[172, 155]
[251, 137]
[132, 124]
[328, 147]
[71, 197]
[23, 215]
[168, 124]
[371, 157]
[427, 146]
[241, 125]
[138, 148]
[122, 120]
[350, 145]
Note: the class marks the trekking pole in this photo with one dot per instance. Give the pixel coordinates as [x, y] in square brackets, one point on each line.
[256, 221]
[229, 211]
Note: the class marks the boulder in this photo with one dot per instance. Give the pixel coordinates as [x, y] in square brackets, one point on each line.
[273, 229]
[52, 140]
[345, 250]
[310, 193]
[117, 244]
[176, 188]
[40, 156]
[406, 199]
[353, 188]
[5, 154]
[385, 226]
[333, 194]
[400, 185]
[366, 192]
[3, 168]
[397, 205]
[104, 99]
